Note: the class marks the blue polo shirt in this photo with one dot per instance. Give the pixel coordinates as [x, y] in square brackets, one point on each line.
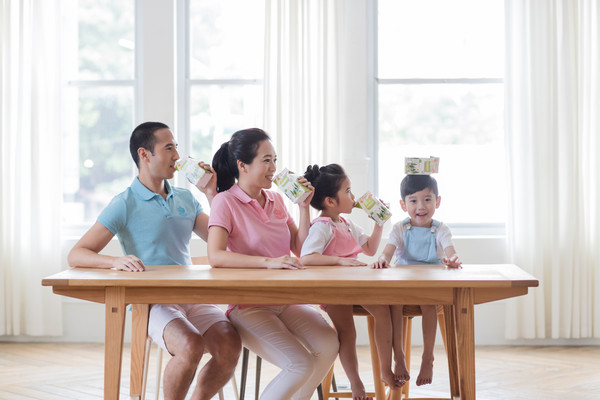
[155, 230]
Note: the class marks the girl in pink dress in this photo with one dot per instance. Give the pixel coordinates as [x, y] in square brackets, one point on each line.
[334, 240]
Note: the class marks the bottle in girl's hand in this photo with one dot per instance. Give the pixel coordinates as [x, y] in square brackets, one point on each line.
[374, 208]
[288, 183]
[193, 172]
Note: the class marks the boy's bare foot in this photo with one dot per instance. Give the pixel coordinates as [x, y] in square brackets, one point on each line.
[400, 371]
[390, 379]
[426, 373]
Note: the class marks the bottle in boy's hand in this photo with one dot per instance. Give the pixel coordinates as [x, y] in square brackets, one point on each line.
[193, 171]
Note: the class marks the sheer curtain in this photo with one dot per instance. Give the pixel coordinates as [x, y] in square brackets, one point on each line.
[552, 103]
[30, 195]
[302, 80]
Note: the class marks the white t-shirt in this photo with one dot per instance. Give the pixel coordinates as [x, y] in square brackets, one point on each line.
[320, 235]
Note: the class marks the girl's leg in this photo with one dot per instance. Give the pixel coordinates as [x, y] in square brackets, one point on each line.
[311, 330]
[429, 327]
[400, 371]
[265, 334]
[383, 340]
[343, 320]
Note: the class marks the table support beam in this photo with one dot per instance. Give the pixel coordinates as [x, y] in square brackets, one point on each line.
[465, 341]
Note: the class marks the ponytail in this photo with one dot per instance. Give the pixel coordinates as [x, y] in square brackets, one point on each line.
[242, 146]
[326, 180]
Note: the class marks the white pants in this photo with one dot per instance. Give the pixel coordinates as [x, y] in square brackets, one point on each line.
[297, 339]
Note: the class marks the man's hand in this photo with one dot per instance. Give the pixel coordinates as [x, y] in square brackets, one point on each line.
[210, 189]
[128, 263]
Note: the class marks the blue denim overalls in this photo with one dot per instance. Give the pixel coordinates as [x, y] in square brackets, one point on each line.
[419, 245]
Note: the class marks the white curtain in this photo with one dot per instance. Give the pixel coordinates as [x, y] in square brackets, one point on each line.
[30, 194]
[552, 108]
[302, 80]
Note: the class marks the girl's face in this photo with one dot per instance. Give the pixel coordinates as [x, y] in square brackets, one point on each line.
[420, 207]
[261, 170]
[345, 198]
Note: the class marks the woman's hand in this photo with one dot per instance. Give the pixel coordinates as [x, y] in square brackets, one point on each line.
[210, 188]
[352, 262]
[284, 262]
[128, 263]
[306, 202]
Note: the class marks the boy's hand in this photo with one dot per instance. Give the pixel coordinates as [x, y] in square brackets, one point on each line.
[381, 263]
[452, 262]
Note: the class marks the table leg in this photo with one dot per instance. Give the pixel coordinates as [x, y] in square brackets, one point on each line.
[139, 332]
[450, 342]
[465, 341]
[113, 340]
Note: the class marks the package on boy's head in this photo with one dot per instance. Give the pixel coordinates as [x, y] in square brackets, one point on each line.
[193, 172]
[421, 166]
[374, 208]
[288, 183]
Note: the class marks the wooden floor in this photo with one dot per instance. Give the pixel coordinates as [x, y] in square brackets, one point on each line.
[49, 371]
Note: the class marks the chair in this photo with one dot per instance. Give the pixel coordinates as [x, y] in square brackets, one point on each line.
[444, 320]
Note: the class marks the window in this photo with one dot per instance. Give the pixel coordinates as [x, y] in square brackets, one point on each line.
[440, 93]
[225, 64]
[98, 56]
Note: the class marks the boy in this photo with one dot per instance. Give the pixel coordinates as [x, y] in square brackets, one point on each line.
[419, 239]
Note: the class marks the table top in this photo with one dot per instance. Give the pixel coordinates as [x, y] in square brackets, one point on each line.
[406, 276]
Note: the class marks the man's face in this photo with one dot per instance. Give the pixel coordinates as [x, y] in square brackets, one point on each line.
[162, 161]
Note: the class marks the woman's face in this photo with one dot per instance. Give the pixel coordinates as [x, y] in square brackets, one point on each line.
[261, 170]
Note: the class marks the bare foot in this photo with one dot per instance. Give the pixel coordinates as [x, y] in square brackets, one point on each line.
[390, 379]
[400, 371]
[358, 392]
[426, 373]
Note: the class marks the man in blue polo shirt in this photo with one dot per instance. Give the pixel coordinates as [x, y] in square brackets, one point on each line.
[154, 223]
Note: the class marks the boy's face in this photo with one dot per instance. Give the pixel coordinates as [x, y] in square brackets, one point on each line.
[420, 207]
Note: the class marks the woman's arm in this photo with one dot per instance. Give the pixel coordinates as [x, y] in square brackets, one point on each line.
[299, 234]
[219, 257]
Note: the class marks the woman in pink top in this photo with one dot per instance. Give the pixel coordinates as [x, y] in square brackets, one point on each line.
[249, 227]
[334, 240]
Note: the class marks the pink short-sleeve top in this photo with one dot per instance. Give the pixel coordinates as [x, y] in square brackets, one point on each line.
[253, 230]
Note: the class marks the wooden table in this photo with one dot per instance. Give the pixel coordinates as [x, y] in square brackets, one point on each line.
[457, 289]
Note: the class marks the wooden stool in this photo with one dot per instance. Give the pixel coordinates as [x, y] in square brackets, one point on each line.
[445, 319]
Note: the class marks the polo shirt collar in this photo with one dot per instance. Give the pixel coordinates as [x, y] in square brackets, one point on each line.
[144, 193]
[242, 196]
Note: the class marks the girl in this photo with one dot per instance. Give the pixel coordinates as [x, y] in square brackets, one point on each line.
[333, 240]
[249, 227]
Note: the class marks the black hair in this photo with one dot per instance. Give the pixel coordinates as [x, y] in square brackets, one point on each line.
[242, 146]
[326, 180]
[143, 136]
[415, 183]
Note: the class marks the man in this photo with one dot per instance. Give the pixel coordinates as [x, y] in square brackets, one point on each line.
[154, 223]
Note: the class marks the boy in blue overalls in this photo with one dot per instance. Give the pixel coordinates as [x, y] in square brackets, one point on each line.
[419, 239]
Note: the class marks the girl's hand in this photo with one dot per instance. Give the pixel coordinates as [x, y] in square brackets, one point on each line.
[210, 189]
[452, 262]
[306, 202]
[128, 263]
[381, 263]
[284, 262]
[352, 262]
